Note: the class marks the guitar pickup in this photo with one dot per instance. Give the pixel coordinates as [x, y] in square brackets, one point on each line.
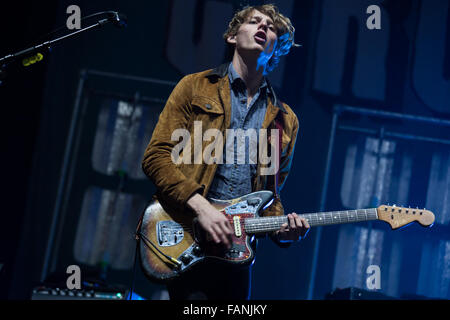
[237, 226]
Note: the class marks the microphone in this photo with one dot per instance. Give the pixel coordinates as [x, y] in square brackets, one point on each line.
[117, 19]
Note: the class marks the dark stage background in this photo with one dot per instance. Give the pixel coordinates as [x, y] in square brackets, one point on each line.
[349, 154]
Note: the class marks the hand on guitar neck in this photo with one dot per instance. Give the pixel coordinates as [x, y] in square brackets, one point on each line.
[211, 220]
[296, 229]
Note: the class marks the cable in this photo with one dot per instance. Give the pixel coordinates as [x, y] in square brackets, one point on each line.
[134, 270]
[139, 236]
[173, 260]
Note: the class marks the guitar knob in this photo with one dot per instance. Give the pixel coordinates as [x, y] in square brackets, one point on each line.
[186, 258]
[196, 250]
[253, 202]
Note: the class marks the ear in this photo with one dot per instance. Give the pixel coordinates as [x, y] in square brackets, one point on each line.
[231, 39]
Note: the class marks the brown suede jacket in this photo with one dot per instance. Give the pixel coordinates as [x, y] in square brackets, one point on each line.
[205, 97]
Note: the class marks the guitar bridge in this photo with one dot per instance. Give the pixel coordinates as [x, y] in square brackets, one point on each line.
[169, 233]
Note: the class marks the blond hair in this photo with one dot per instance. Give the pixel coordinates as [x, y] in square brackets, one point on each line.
[283, 26]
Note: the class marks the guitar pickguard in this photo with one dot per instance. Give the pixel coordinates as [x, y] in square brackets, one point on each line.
[240, 252]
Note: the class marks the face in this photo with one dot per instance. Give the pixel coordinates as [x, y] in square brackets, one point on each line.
[257, 33]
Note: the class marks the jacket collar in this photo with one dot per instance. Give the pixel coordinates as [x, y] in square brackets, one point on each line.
[222, 70]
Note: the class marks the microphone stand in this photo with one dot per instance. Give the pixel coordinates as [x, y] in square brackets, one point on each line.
[114, 18]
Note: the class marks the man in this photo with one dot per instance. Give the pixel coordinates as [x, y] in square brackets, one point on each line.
[236, 95]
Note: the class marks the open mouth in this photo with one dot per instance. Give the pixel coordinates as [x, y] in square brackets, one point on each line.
[260, 37]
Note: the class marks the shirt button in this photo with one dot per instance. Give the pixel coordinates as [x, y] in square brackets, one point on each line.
[231, 188]
[235, 166]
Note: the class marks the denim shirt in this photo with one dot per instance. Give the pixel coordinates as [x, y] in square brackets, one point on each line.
[233, 180]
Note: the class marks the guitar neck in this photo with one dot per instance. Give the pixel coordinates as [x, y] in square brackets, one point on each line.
[268, 224]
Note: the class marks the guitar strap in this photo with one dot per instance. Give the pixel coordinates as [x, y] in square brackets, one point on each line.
[279, 124]
[138, 227]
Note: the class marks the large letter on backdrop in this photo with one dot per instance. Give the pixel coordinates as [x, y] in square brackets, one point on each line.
[369, 75]
[208, 52]
[428, 73]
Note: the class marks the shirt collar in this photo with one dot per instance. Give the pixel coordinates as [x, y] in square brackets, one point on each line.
[234, 76]
[222, 70]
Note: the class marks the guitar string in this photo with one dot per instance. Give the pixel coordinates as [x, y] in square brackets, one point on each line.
[348, 216]
[263, 224]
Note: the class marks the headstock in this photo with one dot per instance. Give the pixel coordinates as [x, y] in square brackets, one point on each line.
[399, 216]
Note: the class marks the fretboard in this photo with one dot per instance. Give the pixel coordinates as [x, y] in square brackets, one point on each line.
[268, 224]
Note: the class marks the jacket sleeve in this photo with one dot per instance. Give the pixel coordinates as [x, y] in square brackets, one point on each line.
[172, 185]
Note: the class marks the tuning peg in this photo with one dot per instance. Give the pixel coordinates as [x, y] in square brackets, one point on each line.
[394, 205]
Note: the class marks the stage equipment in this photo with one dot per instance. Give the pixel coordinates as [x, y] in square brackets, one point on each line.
[36, 53]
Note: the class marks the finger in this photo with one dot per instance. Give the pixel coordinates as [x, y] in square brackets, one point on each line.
[284, 227]
[221, 234]
[228, 232]
[298, 221]
[218, 231]
[213, 234]
[305, 223]
[305, 229]
[291, 221]
[296, 227]
[227, 227]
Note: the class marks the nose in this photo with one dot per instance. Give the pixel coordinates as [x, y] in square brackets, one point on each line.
[263, 24]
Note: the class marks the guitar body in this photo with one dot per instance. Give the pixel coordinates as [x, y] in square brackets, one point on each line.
[171, 243]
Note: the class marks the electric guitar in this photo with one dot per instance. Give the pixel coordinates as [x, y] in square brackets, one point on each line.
[172, 243]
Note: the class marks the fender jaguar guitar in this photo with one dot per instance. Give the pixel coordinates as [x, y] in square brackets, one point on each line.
[172, 243]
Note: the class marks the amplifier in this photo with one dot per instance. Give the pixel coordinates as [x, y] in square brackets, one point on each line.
[47, 293]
